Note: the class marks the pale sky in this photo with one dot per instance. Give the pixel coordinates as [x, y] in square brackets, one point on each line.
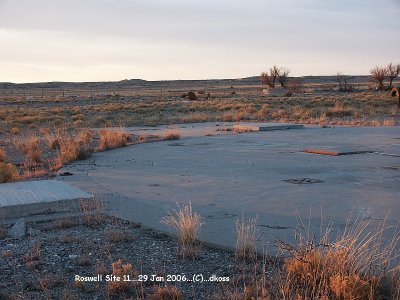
[102, 40]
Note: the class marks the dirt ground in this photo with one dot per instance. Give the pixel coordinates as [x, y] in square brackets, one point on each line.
[45, 263]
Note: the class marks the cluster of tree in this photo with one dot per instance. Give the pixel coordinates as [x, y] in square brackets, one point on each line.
[274, 74]
[380, 74]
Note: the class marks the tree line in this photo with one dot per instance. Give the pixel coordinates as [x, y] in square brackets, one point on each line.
[378, 75]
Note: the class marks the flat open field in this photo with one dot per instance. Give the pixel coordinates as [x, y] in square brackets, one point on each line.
[128, 103]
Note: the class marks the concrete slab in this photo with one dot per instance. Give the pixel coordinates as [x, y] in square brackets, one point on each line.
[265, 126]
[225, 176]
[34, 197]
[336, 152]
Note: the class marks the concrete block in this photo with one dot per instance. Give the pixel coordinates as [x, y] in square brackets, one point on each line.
[18, 230]
[265, 126]
[21, 199]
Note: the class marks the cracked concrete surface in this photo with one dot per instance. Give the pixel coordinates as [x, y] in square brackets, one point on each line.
[226, 176]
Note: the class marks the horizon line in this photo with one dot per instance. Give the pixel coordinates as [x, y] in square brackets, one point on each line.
[179, 79]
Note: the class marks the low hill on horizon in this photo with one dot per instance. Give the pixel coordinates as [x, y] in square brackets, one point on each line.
[165, 83]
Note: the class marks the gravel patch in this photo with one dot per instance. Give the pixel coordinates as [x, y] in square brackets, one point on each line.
[45, 263]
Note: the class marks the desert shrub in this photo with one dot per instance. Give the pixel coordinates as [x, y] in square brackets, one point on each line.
[339, 110]
[188, 224]
[171, 134]
[8, 173]
[30, 146]
[110, 139]
[166, 293]
[192, 96]
[15, 130]
[118, 236]
[73, 145]
[119, 269]
[2, 155]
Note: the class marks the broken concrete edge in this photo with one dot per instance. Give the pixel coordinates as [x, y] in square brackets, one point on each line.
[265, 127]
[54, 216]
[334, 153]
[18, 230]
[43, 208]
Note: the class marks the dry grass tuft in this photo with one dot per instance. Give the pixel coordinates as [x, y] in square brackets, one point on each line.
[92, 211]
[389, 122]
[8, 173]
[188, 224]
[166, 293]
[64, 223]
[359, 264]
[51, 281]
[2, 155]
[118, 236]
[246, 238]
[3, 230]
[30, 146]
[15, 130]
[83, 261]
[171, 134]
[67, 239]
[74, 146]
[110, 139]
[119, 270]
[33, 257]
[71, 144]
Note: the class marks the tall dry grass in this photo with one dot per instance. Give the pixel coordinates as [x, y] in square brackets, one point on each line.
[187, 223]
[30, 146]
[72, 145]
[246, 238]
[116, 138]
[92, 212]
[8, 173]
[171, 134]
[359, 264]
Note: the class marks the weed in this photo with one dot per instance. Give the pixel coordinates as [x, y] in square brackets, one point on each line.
[30, 146]
[120, 270]
[83, 261]
[110, 139]
[8, 173]
[171, 134]
[246, 238]
[166, 293]
[92, 211]
[117, 236]
[2, 155]
[188, 225]
[356, 265]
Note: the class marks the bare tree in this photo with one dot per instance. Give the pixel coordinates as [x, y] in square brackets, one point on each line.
[283, 76]
[392, 72]
[340, 79]
[343, 81]
[269, 78]
[379, 74]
